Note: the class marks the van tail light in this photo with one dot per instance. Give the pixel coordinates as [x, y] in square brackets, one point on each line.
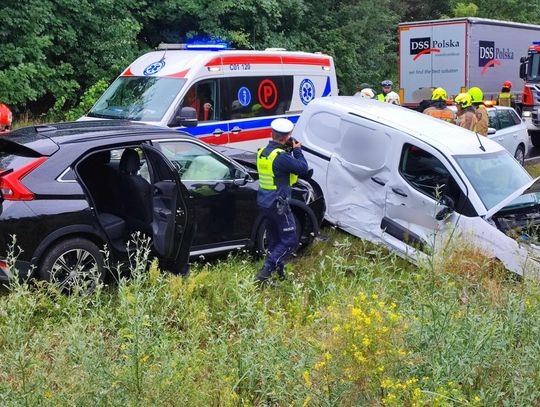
[527, 98]
[11, 187]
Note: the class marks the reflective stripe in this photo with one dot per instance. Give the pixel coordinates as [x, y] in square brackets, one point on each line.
[265, 168]
[380, 97]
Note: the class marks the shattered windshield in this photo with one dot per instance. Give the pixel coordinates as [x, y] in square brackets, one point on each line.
[495, 176]
[137, 98]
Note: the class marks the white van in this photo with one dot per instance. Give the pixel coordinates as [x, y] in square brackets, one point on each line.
[236, 94]
[398, 177]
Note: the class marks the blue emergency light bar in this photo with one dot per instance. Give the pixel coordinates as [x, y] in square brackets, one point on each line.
[207, 46]
[536, 42]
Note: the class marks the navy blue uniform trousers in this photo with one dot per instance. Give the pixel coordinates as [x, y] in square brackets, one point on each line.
[281, 236]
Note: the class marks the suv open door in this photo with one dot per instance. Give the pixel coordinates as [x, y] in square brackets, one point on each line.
[172, 224]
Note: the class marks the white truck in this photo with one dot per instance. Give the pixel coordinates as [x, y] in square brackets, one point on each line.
[460, 53]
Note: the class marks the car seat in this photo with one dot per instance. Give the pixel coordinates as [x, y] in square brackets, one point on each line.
[136, 193]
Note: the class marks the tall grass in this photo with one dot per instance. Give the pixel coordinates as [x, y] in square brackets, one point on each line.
[351, 325]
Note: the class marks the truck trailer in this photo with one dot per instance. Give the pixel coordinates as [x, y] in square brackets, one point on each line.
[460, 53]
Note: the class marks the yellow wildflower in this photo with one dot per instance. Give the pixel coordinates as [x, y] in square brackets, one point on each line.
[307, 400]
[307, 379]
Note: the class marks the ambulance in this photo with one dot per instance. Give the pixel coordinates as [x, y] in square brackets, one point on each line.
[235, 93]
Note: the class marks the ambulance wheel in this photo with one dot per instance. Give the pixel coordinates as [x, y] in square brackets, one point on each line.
[535, 138]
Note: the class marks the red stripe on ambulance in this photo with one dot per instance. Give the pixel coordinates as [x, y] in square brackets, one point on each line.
[268, 59]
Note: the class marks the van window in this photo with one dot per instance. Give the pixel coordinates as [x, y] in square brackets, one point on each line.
[204, 97]
[364, 144]
[323, 130]
[427, 173]
[254, 96]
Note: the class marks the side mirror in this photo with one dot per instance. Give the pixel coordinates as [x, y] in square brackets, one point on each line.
[491, 130]
[308, 175]
[523, 59]
[240, 178]
[449, 207]
[523, 69]
[186, 118]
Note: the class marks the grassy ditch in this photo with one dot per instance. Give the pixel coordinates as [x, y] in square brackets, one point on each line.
[352, 325]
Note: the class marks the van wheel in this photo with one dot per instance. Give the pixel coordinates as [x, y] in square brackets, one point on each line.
[520, 154]
[535, 138]
[72, 262]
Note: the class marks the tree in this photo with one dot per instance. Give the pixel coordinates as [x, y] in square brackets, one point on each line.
[59, 48]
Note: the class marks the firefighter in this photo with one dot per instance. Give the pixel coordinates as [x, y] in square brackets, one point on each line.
[5, 118]
[278, 172]
[466, 116]
[438, 108]
[506, 98]
[481, 111]
[386, 87]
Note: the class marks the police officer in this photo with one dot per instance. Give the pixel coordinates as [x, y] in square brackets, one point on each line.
[438, 108]
[481, 111]
[278, 171]
[386, 87]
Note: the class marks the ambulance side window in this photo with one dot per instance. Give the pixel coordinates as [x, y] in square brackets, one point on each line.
[256, 96]
[204, 97]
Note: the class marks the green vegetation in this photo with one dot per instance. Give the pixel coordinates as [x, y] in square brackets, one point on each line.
[51, 52]
[352, 325]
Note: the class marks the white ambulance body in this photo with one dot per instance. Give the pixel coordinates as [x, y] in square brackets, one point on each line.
[236, 94]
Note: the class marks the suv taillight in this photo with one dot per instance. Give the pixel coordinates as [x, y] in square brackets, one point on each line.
[11, 187]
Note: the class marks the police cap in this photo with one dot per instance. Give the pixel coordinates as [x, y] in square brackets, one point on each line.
[282, 126]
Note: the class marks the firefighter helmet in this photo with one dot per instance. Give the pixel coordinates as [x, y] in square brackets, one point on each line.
[439, 94]
[464, 100]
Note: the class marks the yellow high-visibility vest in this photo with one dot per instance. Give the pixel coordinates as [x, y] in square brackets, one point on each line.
[266, 170]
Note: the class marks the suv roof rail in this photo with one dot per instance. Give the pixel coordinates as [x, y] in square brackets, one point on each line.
[44, 128]
[275, 49]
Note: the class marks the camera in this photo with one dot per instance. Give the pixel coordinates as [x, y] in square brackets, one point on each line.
[290, 144]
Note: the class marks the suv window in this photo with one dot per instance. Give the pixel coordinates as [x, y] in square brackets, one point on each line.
[427, 174]
[196, 163]
[204, 97]
[255, 96]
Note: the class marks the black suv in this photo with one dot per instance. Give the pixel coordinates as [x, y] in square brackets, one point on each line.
[67, 190]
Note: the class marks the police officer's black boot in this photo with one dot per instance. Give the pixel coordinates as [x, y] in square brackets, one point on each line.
[281, 271]
[264, 274]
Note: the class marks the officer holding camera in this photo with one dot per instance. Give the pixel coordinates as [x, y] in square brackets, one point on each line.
[279, 164]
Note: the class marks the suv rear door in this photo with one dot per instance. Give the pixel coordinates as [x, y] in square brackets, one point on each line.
[172, 224]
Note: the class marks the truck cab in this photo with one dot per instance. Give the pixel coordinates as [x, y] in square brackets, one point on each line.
[530, 72]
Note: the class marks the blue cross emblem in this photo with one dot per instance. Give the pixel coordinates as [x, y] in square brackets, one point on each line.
[154, 68]
[307, 91]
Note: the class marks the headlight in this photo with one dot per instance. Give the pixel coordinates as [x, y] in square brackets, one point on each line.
[526, 113]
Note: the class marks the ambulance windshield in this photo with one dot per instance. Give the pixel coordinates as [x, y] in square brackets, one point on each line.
[144, 98]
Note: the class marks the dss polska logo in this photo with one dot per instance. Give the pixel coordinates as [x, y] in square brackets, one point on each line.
[418, 45]
[427, 45]
[487, 52]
